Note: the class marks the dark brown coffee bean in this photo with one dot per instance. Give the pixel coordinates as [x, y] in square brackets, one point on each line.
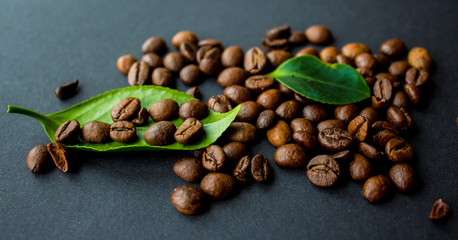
[190, 75]
[241, 132]
[329, 54]
[232, 56]
[59, 155]
[285, 90]
[38, 159]
[359, 127]
[277, 57]
[153, 60]
[280, 134]
[68, 132]
[184, 36]
[398, 68]
[187, 199]
[413, 92]
[217, 185]
[300, 99]
[341, 156]
[208, 52]
[266, 120]
[334, 139]
[193, 109]
[307, 51]
[189, 169]
[210, 67]
[125, 62]
[378, 103]
[331, 123]
[288, 110]
[190, 131]
[142, 117]
[275, 44]
[306, 139]
[323, 171]
[164, 110]
[210, 42]
[154, 45]
[96, 132]
[383, 131]
[290, 156]
[126, 109]
[123, 131]
[297, 38]
[340, 58]
[255, 60]
[401, 100]
[279, 32]
[318, 34]
[381, 62]
[346, 112]
[376, 188]
[219, 103]
[214, 158]
[260, 169]
[383, 89]
[440, 210]
[162, 77]
[194, 92]
[234, 151]
[237, 94]
[188, 51]
[399, 117]
[138, 74]
[315, 113]
[417, 77]
[249, 112]
[67, 90]
[370, 113]
[393, 48]
[398, 150]
[365, 60]
[419, 58]
[259, 83]
[369, 151]
[302, 124]
[232, 76]
[242, 171]
[160, 133]
[403, 177]
[359, 168]
[174, 61]
[351, 50]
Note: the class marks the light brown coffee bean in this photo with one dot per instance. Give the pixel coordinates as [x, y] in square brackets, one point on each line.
[290, 156]
[359, 168]
[241, 132]
[189, 132]
[189, 169]
[164, 110]
[255, 60]
[125, 62]
[279, 134]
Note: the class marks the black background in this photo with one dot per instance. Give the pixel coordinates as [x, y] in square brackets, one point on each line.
[44, 44]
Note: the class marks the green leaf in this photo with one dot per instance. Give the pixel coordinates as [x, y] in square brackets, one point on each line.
[99, 108]
[311, 78]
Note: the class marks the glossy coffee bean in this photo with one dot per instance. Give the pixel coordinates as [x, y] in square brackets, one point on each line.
[190, 75]
[359, 168]
[346, 112]
[417, 77]
[381, 62]
[242, 171]
[249, 112]
[210, 42]
[401, 100]
[370, 113]
[187, 199]
[266, 120]
[259, 83]
[189, 169]
[188, 51]
[184, 36]
[208, 52]
[297, 38]
[67, 90]
[365, 60]
[162, 77]
[164, 110]
[194, 92]
[331, 123]
[383, 89]
[232, 76]
[351, 50]
[305, 138]
[419, 58]
[403, 177]
[125, 109]
[260, 169]
[232, 56]
[393, 47]
[413, 92]
[334, 139]
[376, 188]
[318, 34]
[275, 44]
[398, 150]
[59, 155]
[323, 171]
[234, 151]
[154, 45]
[439, 210]
[307, 51]
[315, 113]
[237, 94]
[399, 117]
[68, 132]
[300, 99]
[285, 90]
[193, 109]
[329, 54]
[398, 68]
[254, 60]
[277, 57]
[302, 124]
[210, 67]
[123, 131]
[369, 151]
[219, 103]
[38, 159]
[342, 156]
[142, 117]
[214, 158]
[279, 32]
[174, 61]
[340, 58]
[288, 110]
[138, 74]
[217, 185]
[125, 62]
[189, 132]
[359, 127]
[241, 132]
[290, 156]
[280, 134]
[382, 132]
[153, 60]
[96, 132]
[160, 133]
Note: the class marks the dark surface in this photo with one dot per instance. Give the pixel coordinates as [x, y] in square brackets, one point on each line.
[44, 44]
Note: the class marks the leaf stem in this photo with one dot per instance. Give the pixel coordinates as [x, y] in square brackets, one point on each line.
[24, 111]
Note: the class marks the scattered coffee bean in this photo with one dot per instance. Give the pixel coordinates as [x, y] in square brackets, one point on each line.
[279, 32]
[174, 61]
[376, 188]
[184, 36]
[188, 51]
[307, 51]
[419, 58]
[403, 177]
[346, 113]
[369, 151]
[96, 132]
[393, 48]
[359, 127]
[398, 68]
[413, 92]
[401, 100]
[417, 77]
[334, 139]
[217, 185]
[242, 170]
[383, 131]
[323, 171]
[59, 155]
[162, 77]
[318, 34]
[260, 169]
[331, 123]
[329, 54]
[189, 169]
[234, 151]
[126, 109]
[297, 38]
[232, 56]
[383, 89]
[249, 111]
[142, 117]
[266, 120]
[365, 60]
[208, 52]
[300, 99]
[288, 110]
[399, 117]
[67, 90]
[302, 124]
[340, 58]
[398, 150]
[370, 113]
[290, 156]
[359, 168]
[190, 131]
[341, 156]
[68, 132]
[232, 76]
[160, 133]
[277, 57]
[193, 109]
[153, 60]
[138, 74]
[275, 44]
[194, 92]
[237, 94]
[154, 45]
[187, 199]
[351, 50]
[241, 132]
[164, 110]
[190, 75]
[219, 103]
[440, 210]
[280, 134]
[38, 158]
[123, 131]
[259, 83]
[315, 113]
[210, 42]
[210, 67]
[125, 62]
[382, 62]
[255, 60]
[214, 158]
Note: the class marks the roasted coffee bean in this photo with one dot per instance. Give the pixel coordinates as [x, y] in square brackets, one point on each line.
[160, 133]
[174, 61]
[67, 90]
[403, 177]
[306, 139]
[214, 158]
[96, 132]
[210, 67]
[302, 124]
[370, 113]
[59, 155]
[123, 131]
[419, 58]
[193, 109]
[189, 169]
[194, 92]
[297, 38]
[164, 110]
[232, 56]
[234, 151]
[38, 159]
[393, 79]
[242, 171]
[277, 57]
[382, 62]
[359, 127]
[259, 83]
[331, 123]
[398, 150]
[188, 51]
[190, 131]
[154, 45]
[260, 169]
[184, 36]
[217, 185]
[210, 42]
[208, 52]
[288, 110]
[138, 74]
[359, 168]
[300, 99]
[346, 112]
[315, 113]
[162, 77]
[383, 89]
[383, 131]
[417, 77]
[241, 132]
[285, 90]
[440, 210]
[399, 117]
[307, 51]
[351, 50]
[279, 32]
[323, 171]
[68, 132]
[219, 103]
[142, 117]
[401, 100]
[126, 109]
[254, 60]
[249, 112]
[318, 34]
[280, 134]
[125, 62]
[378, 103]
[376, 188]
[266, 120]
[153, 60]
[341, 156]
[237, 94]
[393, 47]
[365, 60]
[232, 76]
[275, 44]
[329, 54]
[187, 199]
[398, 68]
[369, 151]
[290, 156]
[334, 139]
[340, 58]
[413, 92]
[190, 75]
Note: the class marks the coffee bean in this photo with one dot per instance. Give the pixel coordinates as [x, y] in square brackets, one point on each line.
[234, 151]
[351, 50]
[275, 44]
[419, 57]
[346, 112]
[383, 131]
[214, 158]
[331, 123]
[210, 67]
[329, 54]
[190, 75]
[237, 94]
[210, 42]
[142, 117]
[188, 51]
[318, 34]
[208, 52]
[378, 103]
[359, 168]
[164, 110]
[96, 132]
[153, 60]
[300, 99]
[307, 51]
[260, 169]
[341, 156]
[413, 92]
[279, 134]
[67, 90]
[369, 151]
[255, 60]
[398, 68]
[193, 109]
[277, 57]
[190, 131]
[297, 38]
[370, 113]
[126, 109]
[38, 159]
[162, 77]
[189, 169]
[340, 58]
[160, 133]
[302, 124]
[279, 32]
[219, 103]
[68, 132]
[368, 75]
[232, 76]
[383, 89]
[359, 127]
[123, 131]
[184, 36]
[401, 100]
[365, 60]
[323, 171]
[242, 170]
[393, 48]
[403, 177]
[399, 117]
[232, 56]
[194, 92]
[241, 132]
[249, 112]
[138, 74]
[315, 113]
[285, 90]
[217, 185]
[290, 156]
[440, 210]
[266, 120]
[381, 62]
[376, 188]
[187, 199]
[154, 45]
[259, 83]
[334, 139]
[174, 61]
[417, 77]
[288, 110]
[125, 62]
[398, 150]
[59, 155]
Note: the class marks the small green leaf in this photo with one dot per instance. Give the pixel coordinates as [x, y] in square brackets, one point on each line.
[311, 78]
[99, 108]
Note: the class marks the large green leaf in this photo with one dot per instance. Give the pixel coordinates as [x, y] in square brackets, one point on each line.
[311, 78]
[99, 108]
